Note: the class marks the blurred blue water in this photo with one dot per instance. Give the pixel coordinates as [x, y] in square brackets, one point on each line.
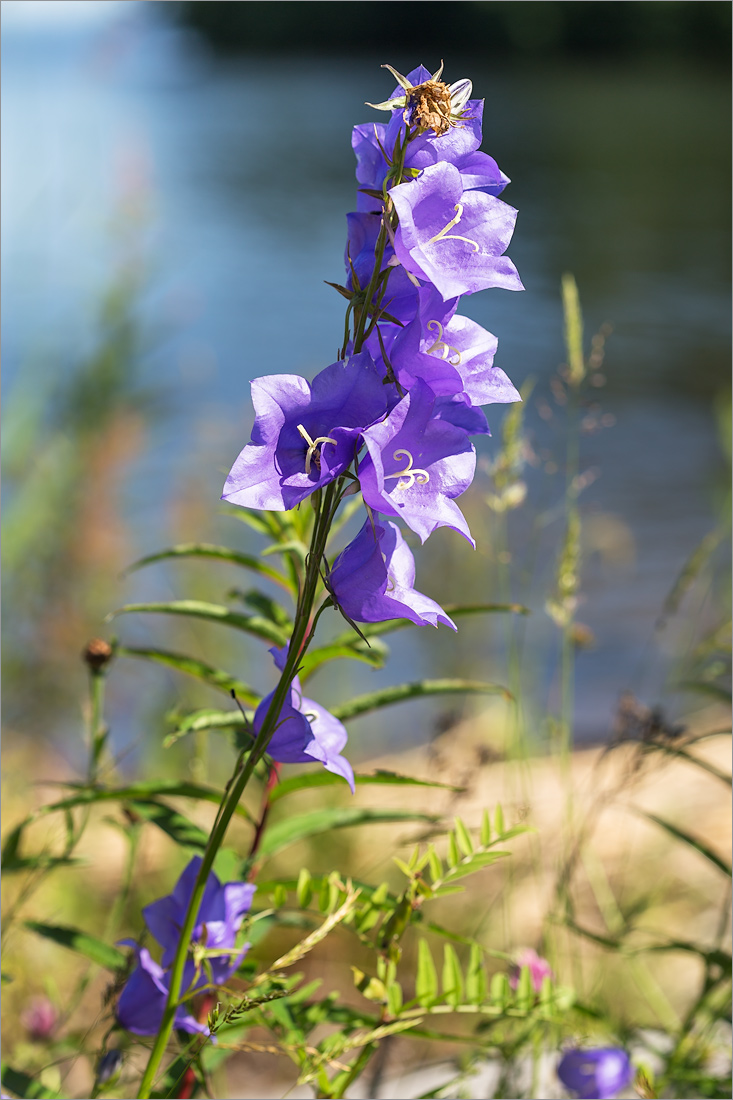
[245, 169]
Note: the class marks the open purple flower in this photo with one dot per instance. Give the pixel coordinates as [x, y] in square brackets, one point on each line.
[418, 462]
[597, 1074]
[218, 921]
[372, 580]
[453, 238]
[304, 434]
[451, 353]
[305, 730]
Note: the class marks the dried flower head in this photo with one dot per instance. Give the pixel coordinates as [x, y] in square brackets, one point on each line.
[432, 104]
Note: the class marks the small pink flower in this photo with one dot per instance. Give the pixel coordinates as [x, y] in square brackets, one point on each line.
[539, 968]
[39, 1018]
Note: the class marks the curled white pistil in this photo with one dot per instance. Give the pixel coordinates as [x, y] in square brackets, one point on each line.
[444, 235]
[312, 454]
[442, 349]
[410, 474]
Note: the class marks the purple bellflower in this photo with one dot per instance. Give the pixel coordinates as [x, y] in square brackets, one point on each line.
[373, 578]
[451, 353]
[453, 238]
[141, 1004]
[598, 1074]
[400, 299]
[305, 731]
[417, 463]
[305, 434]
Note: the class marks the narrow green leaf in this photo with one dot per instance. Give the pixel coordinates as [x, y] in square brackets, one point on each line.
[264, 605]
[417, 689]
[304, 889]
[524, 995]
[463, 837]
[209, 719]
[210, 612]
[214, 677]
[499, 820]
[394, 998]
[374, 655]
[207, 550]
[294, 829]
[265, 523]
[698, 761]
[476, 977]
[477, 863]
[454, 856]
[322, 778]
[426, 982]
[687, 838]
[486, 829]
[178, 827]
[573, 329]
[452, 976]
[500, 990]
[436, 864]
[29, 1088]
[100, 953]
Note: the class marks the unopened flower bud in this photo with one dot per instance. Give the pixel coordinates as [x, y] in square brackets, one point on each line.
[97, 653]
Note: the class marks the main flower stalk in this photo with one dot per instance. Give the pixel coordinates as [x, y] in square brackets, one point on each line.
[301, 637]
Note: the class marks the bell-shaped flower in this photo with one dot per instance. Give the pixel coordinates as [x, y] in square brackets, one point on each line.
[305, 730]
[597, 1074]
[453, 354]
[142, 1001]
[372, 579]
[418, 462]
[453, 238]
[400, 297]
[305, 434]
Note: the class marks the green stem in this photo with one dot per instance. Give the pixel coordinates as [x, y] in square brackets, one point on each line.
[241, 777]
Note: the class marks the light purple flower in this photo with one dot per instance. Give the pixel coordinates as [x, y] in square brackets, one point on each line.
[453, 238]
[219, 918]
[305, 730]
[597, 1074]
[418, 462]
[539, 969]
[305, 434]
[451, 353]
[373, 578]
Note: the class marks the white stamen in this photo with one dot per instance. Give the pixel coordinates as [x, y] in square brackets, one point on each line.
[444, 235]
[313, 444]
[444, 349]
[409, 474]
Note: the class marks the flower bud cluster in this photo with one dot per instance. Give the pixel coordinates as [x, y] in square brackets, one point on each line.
[396, 412]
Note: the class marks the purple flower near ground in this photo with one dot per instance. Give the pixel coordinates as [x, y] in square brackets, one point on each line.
[451, 353]
[418, 462]
[372, 580]
[305, 731]
[453, 238]
[597, 1074]
[539, 969]
[305, 434]
[218, 921]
